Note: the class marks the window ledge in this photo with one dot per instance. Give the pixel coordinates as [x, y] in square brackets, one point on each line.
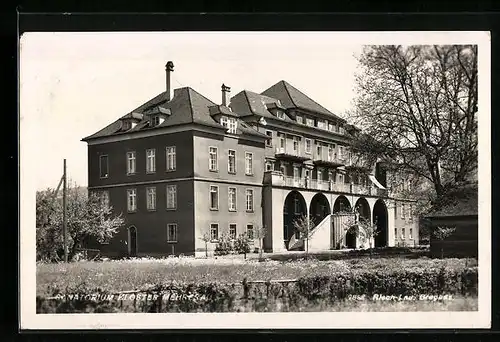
[249, 174]
[131, 174]
[214, 209]
[171, 170]
[150, 172]
[131, 211]
[232, 210]
[172, 241]
[171, 209]
[232, 172]
[213, 170]
[151, 210]
[249, 211]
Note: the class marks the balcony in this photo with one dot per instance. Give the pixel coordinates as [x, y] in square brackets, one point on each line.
[328, 158]
[276, 178]
[291, 154]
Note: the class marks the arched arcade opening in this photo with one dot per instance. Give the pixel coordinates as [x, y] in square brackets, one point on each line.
[320, 208]
[380, 218]
[294, 207]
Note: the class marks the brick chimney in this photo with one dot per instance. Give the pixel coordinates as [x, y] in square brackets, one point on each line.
[169, 68]
[225, 94]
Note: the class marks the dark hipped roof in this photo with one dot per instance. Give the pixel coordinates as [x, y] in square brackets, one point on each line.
[463, 202]
[187, 106]
[247, 103]
[291, 97]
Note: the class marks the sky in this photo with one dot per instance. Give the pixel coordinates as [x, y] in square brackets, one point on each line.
[74, 84]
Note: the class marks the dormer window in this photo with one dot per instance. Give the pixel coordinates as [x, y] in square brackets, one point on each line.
[331, 126]
[309, 122]
[300, 119]
[230, 123]
[321, 124]
[224, 121]
[280, 114]
[156, 120]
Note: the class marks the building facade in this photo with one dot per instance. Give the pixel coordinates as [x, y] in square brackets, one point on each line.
[183, 169]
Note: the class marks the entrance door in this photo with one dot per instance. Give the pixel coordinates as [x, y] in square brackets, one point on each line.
[132, 241]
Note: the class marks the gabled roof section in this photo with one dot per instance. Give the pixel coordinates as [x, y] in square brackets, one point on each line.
[291, 97]
[247, 103]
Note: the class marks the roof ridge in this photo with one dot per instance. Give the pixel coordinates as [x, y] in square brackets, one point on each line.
[248, 101]
[285, 83]
[206, 98]
[190, 103]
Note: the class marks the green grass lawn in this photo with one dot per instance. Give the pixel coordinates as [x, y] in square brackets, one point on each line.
[140, 274]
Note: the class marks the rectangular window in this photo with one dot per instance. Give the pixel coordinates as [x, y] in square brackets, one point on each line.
[396, 233]
[130, 163]
[249, 199]
[248, 163]
[402, 234]
[214, 231]
[310, 122]
[331, 126]
[341, 151]
[300, 119]
[151, 198]
[155, 120]
[308, 146]
[231, 161]
[296, 206]
[171, 232]
[232, 231]
[321, 124]
[224, 121]
[282, 142]
[269, 141]
[296, 172]
[150, 160]
[103, 166]
[232, 125]
[295, 145]
[131, 200]
[171, 196]
[410, 212]
[280, 114]
[250, 233]
[403, 210]
[318, 150]
[269, 166]
[411, 234]
[232, 199]
[212, 159]
[214, 197]
[171, 158]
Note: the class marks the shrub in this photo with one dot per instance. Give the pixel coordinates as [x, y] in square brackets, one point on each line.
[241, 244]
[319, 291]
[224, 245]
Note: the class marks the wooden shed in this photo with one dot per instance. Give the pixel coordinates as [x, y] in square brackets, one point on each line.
[460, 212]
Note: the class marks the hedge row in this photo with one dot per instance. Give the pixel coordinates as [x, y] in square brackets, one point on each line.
[267, 296]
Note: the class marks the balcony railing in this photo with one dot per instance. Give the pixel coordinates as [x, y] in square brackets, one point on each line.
[328, 158]
[277, 178]
[290, 153]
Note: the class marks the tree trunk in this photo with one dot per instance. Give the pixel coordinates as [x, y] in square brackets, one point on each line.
[260, 249]
[206, 250]
[442, 253]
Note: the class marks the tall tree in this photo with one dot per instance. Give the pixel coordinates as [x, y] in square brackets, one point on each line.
[88, 216]
[417, 108]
